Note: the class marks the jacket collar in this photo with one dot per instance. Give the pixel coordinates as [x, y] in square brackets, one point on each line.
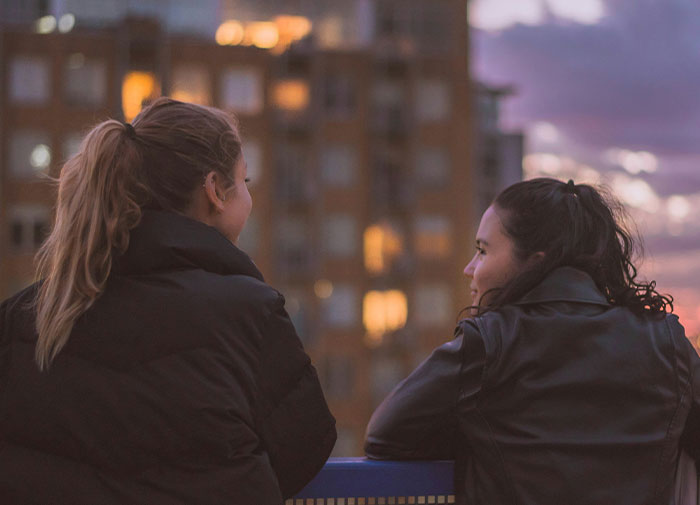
[565, 284]
[168, 241]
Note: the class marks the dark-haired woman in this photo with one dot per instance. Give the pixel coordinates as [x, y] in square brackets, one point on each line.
[571, 382]
[152, 364]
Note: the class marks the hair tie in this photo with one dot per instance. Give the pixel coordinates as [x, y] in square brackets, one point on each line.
[571, 187]
[130, 131]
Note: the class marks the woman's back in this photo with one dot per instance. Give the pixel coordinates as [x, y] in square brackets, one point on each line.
[571, 382]
[179, 385]
[582, 401]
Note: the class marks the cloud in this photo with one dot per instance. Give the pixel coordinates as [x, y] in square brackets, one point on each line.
[631, 80]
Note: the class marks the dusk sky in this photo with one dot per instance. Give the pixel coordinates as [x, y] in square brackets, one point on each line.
[608, 91]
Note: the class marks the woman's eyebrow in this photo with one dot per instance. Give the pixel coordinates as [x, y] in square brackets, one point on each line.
[481, 241]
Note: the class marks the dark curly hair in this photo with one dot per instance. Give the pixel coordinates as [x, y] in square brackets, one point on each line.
[574, 225]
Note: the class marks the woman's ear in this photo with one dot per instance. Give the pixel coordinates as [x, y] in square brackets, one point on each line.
[212, 190]
[535, 258]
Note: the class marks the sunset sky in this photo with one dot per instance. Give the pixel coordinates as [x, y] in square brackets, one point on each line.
[608, 91]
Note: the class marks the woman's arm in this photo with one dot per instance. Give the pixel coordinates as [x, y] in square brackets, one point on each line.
[293, 420]
[418, 420]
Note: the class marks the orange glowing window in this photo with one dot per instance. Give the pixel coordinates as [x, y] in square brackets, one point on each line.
[230, 33]
[382, 245]
[291, 94]
[383, 312]
[137, 88]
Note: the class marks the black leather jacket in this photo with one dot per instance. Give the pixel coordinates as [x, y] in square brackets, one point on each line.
[559, 398]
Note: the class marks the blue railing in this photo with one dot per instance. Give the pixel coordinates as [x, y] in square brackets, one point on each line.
[360, 481]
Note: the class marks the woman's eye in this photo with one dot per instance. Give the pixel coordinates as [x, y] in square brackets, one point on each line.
[247, 180]
[480, 251]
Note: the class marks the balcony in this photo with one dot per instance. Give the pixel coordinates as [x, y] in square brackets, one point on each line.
[359, 481]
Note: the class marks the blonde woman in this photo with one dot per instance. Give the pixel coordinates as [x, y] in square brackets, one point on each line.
[152, 364]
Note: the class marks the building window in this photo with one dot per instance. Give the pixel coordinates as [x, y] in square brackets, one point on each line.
[138, 88]
[433, 305]
[71, 145]
[432, 237]
[85, 81]
[339, 235]
[386, 372]
[29, 80]
[388, 111]
[242, 90]
[249, 238]
[383, 245]
[346, 444]
[339, 383]
[432, 100]
[253, 159]
[340, 309]
[294, 252]
[29, 225]
[293, 184]
[382, 313]
[291, 95]
[297, 307]
[432, 167]
[338, 165]
[30, 153]
[191, 83]
[339, 96]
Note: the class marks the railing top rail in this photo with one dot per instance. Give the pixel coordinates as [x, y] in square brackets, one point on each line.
[366, 477]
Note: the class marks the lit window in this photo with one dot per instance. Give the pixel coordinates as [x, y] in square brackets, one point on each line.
[249, 238]
[138, 88]
[341, 307]
[85, 81]
[340, 235]
[191, 83]
[230, 33]
[433, 305]
[291, 94]
[338, 165]
[30, 153]
[29, 225]
[433, 167]
[253, 158]
[383, 312]
[339, 377]
[29, 80]
[383, 244]
[242, 90]
[432, 236]
[432, 101]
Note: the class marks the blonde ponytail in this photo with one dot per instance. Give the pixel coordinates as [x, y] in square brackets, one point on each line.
[156, 163]
[96, 207]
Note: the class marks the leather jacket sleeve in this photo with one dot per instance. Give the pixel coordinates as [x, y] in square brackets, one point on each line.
[418, 420]
[690, 439]
[294, 422]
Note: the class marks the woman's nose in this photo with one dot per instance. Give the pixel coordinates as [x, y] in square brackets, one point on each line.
[469, 269]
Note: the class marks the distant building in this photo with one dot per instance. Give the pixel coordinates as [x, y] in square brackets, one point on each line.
[359, 158]
[498, 154]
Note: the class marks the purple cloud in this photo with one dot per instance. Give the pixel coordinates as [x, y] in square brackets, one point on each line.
[631, 80]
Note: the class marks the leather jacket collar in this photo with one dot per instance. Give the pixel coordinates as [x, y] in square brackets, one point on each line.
[565, 284]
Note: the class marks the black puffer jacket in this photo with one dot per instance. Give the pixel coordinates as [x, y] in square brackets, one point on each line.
[185, 383]
[560, 398]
